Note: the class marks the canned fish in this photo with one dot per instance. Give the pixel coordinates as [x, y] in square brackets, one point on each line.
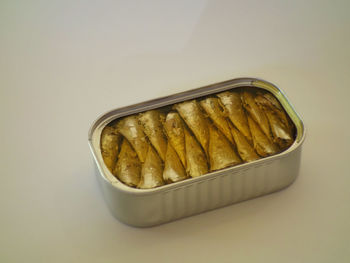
[160, 160]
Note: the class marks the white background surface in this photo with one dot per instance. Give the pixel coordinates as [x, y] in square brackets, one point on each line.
[63, 63]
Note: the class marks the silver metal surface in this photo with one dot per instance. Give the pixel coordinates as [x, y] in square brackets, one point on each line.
[149, 207]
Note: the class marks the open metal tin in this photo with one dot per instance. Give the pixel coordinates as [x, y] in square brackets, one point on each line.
[149, 207]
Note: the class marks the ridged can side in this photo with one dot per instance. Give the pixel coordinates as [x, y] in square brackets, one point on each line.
[225, 189]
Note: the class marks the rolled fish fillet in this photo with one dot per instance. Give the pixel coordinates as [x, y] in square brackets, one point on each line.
[272, 100]
[195, 157]
[174, 128]
[244, 149]
[152, 170]
[233, 104]
[128, 167]
[280, 111]
[215, 111]
[173, 168]
[221, 152]
[152, 123]
[110, 141]
[195, 120]
[132, 130]
[262, 144]
[281, 127]
[274, 104]
[256, 113]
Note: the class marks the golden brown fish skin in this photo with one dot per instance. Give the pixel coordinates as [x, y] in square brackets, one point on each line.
[195, 157]
[262, 144]
[193, 116]
[267, 101]
[244, 149]
[256, 113]
[271, 99]
[173, 169]
[128, 167]
[221, 152]
[132, 130]
[214, 109]
[110, 141]
[152, 171]
[153, 128]
[174, 128]
[280, 133]
[233, 104]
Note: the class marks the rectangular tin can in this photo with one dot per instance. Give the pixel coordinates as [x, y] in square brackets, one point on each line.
[149, 207]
